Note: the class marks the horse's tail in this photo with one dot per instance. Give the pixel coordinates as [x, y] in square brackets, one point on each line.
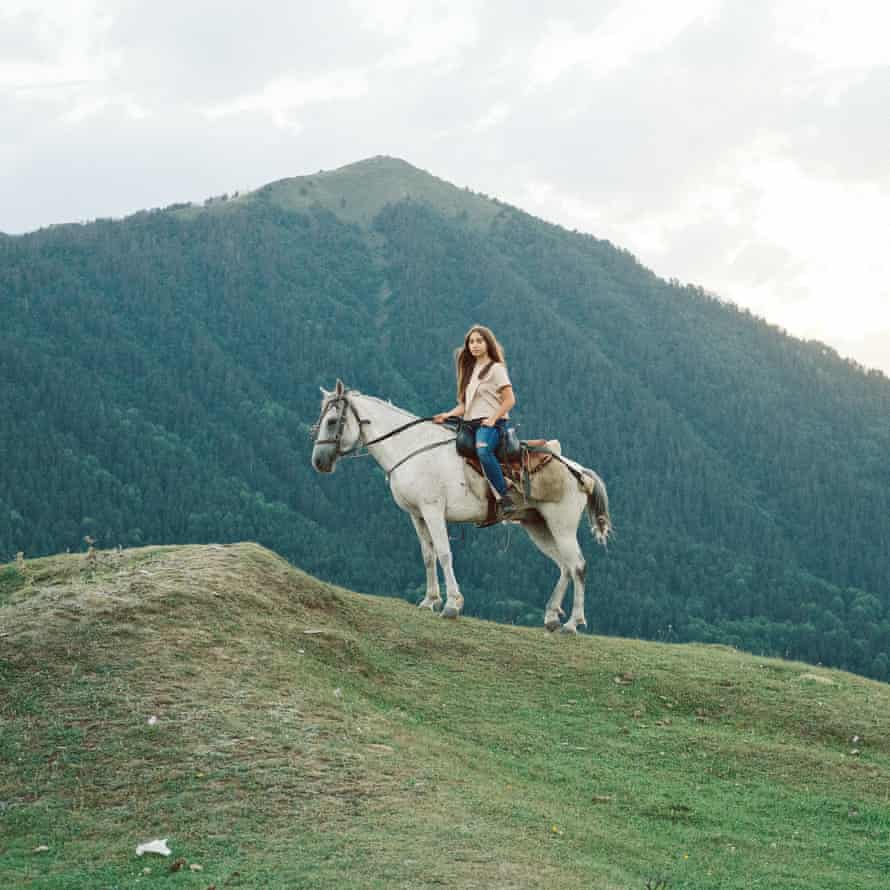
[597, 506]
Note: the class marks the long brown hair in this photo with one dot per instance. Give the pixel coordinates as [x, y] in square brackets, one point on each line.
[464, 361]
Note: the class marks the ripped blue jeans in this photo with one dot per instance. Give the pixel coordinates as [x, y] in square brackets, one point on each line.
[487, 440]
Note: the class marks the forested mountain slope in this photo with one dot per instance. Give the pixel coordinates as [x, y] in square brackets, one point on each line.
[158, 376]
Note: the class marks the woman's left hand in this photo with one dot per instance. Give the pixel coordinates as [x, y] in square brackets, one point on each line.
[489, 421]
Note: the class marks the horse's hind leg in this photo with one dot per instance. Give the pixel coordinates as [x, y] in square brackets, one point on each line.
[434, 517]
[570, 552]
[432, 600]
[543, 540]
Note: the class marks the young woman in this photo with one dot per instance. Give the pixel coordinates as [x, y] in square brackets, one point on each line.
[484, 397]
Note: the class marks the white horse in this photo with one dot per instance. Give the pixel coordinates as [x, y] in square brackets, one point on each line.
[430, 481]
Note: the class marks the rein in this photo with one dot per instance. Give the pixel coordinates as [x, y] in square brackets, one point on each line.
[397, 430]
[355, 451]
[393, 468]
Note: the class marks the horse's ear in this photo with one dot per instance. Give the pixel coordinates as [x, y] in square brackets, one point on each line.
[325, 395]
[340, 387]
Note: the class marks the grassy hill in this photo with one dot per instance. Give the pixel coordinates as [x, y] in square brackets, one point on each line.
[358, 192]
[309, 736]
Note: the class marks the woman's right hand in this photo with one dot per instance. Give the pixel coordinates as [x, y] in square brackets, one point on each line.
[440, 418]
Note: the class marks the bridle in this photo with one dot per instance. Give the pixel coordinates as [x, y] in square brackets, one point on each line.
[360, 442]
[341, 425]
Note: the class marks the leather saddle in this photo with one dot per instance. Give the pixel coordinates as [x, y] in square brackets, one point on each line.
[517, 472]
[519, 460]
[527, 459]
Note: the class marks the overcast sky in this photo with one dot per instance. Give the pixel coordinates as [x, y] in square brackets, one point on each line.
[743, 146]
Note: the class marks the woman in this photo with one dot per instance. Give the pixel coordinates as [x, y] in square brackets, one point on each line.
[485, 398]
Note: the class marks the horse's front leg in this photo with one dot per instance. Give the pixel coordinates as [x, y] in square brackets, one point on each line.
[434, 517]
[432, 600]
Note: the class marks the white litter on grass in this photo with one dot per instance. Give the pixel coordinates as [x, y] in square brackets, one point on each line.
[160, 847]
[152, 721]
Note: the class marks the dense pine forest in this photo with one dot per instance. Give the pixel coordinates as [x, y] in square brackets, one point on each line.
[159, 375]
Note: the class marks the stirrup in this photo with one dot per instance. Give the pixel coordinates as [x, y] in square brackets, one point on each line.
[486, 523]
[510, 507]
[494, 516]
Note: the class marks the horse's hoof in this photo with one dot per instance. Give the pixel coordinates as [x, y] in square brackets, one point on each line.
[569, 630]
[450, 612]
[552, 625]
[432, 604]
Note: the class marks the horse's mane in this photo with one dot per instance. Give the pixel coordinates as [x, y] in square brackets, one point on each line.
[443, 431]
[386, 403]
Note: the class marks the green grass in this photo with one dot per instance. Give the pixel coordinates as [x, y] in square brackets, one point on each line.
[11, 580]
[358, 192]
[390, 748]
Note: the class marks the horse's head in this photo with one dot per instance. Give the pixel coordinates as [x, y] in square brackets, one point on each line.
[338, 430]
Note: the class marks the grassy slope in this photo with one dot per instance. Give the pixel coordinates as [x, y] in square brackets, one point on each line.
[359, 191]
[389, 748]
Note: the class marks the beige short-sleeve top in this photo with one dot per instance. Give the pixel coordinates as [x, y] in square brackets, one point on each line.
[482, 397]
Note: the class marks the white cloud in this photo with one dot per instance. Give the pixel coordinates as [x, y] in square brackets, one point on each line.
[59, 44]
[434, 43]
[84, 109]
[851, 35]
[283, 95]
[19, 76]
[837, 233]
[634, 28]
[89, 107]
[432, 35]
[494, 116]
[842, 45]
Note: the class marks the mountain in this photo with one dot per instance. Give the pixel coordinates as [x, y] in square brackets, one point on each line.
[280, 732]
[159, 374]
